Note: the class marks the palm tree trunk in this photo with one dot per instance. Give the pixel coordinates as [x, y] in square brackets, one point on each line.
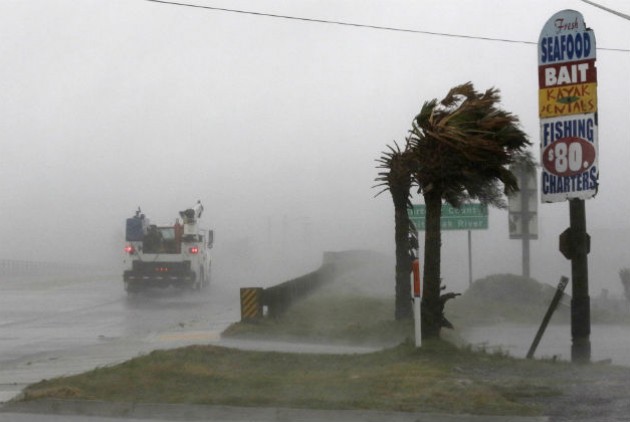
[404, 308]
[431, 306]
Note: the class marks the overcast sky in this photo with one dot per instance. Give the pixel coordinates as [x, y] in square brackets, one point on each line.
[273, 123]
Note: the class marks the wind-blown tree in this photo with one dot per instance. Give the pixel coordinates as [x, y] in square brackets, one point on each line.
[463, 146]
[396, 178]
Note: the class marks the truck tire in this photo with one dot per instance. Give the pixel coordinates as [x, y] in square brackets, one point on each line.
[130, 289]
[203, 283]
[207, 277]
[197, 284]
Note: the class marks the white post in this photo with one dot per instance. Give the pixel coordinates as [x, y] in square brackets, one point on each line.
[417, 301]
[417, 308]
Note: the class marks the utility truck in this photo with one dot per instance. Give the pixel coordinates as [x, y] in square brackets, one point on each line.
[176, 255]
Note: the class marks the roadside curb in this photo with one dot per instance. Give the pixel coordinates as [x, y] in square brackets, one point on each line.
[177, 412]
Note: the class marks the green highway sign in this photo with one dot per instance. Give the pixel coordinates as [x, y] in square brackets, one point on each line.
[467, 217]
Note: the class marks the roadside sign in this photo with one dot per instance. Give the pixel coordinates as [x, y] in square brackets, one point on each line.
[467, 217]
[523, 205]
[567, 99]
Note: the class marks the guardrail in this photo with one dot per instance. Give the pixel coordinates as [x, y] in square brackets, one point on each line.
[279, 298]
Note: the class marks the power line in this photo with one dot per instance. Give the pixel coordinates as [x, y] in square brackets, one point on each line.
[609, 10]
[358, 25]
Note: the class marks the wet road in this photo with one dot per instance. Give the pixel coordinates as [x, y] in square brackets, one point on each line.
[54, 326]
[51, 326]
[59, 326]
[608, 342]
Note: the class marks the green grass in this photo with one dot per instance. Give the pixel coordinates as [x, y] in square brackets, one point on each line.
[439, 377]
[330, 318]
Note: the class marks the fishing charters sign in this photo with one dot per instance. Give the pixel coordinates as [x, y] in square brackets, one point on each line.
[567, 98]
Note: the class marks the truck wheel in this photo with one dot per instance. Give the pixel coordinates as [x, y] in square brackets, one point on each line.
[208, 277]
[198, 282]
[131, 290]
[202, 282]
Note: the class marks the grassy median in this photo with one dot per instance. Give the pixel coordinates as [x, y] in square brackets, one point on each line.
[439, 377]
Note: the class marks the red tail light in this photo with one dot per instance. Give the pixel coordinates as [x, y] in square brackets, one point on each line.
[130, 249]
[193, 250]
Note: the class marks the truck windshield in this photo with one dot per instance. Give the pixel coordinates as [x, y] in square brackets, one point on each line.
[161, 240]
[168, 233]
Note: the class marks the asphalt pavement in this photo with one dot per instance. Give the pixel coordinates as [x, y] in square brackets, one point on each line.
[87, 411]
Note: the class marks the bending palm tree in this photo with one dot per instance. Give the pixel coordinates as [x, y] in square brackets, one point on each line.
[462, 147]
[397, 179]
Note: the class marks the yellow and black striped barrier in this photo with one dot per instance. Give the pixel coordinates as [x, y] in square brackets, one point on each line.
[251, 303]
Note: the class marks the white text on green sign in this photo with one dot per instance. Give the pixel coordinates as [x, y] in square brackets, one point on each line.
[467, 217]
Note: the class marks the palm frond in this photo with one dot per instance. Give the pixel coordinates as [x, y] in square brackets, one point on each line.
[464, 144]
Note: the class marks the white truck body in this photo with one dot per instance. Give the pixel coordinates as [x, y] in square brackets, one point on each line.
[167, 255]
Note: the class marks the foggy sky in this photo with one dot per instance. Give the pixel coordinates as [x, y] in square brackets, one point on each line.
[274, 124]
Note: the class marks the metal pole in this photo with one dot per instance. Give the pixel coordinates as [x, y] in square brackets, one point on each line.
[525, 217]
[580, 303]
[470, 276]
[526, 266]
[552, 308]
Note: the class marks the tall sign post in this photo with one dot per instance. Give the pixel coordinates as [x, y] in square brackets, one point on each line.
[567, 97]
[523, 211]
